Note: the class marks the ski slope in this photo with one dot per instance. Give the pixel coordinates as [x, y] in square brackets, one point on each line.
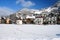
[29, 32]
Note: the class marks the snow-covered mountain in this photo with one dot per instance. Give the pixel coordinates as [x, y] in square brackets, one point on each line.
[7, 11]
[54, 7]
[4, 11]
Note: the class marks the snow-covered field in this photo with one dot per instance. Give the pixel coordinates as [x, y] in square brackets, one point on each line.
[29, 32]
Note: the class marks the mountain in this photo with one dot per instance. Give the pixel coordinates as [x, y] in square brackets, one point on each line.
[4, 11]
[57, 4]
[52, 9]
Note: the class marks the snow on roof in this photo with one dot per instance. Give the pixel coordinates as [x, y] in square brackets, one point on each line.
[30, 17]
[38, 12]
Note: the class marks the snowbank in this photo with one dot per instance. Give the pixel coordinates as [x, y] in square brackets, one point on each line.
[28, 32]
[56, 39]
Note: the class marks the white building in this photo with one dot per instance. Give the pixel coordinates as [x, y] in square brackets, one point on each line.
[39, 20]
[19, 22]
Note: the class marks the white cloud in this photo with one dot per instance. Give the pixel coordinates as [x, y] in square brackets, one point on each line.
[5, 11]
[25, 3]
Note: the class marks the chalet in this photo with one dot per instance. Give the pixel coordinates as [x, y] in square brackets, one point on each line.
[58, 19]
[0, 20]
[52, 18]
[39, 20]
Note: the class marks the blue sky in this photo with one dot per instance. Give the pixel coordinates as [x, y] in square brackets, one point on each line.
[16, 5]
[35, 4]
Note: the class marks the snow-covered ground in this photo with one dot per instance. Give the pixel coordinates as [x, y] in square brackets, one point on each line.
[29, 32]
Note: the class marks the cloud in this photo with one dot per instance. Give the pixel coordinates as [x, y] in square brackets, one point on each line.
[25, 3]
[4, 11]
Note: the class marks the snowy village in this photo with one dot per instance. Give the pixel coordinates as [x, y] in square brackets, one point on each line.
[29, 19]
[50, 15]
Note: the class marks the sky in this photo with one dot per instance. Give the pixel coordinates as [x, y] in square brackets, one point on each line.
[15, 5]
